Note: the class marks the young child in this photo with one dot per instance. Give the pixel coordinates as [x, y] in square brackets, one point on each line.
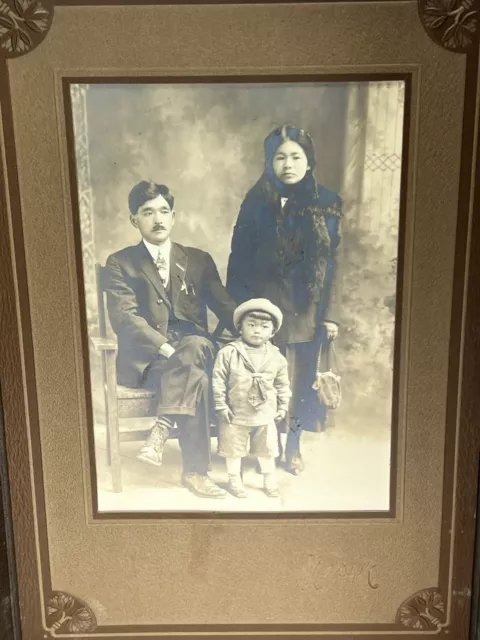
[251, 392]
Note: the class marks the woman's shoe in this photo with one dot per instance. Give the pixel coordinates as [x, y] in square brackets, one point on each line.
[295, 465]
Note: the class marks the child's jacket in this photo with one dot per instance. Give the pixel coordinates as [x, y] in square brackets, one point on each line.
[253, 396]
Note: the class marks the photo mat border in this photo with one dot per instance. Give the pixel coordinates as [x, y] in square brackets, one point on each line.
[407, 79]
[468, 235]
[278, 516]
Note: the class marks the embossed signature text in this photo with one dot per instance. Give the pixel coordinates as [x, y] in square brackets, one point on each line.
[323, 570]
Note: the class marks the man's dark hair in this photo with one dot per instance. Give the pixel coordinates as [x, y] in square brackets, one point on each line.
[145, 191]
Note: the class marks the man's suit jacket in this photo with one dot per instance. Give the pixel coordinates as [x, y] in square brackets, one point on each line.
[139, 306]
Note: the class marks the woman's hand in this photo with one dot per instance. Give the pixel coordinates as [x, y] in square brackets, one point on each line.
[331, 329]
[280, 415]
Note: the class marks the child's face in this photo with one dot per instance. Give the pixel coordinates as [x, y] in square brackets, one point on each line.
[290, 164]
[256, 332]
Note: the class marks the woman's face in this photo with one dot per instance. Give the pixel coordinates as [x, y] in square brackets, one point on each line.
[290, 163]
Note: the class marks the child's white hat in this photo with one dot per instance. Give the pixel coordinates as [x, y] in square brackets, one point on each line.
[258, 304]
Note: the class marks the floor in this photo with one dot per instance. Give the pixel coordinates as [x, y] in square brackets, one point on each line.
[344, 471]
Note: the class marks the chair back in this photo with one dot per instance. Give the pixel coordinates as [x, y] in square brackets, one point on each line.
[101, 277]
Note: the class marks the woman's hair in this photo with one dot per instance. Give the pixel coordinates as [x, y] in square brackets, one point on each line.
[145, 191]
[303, 214]
[282, 134]
[258, 315]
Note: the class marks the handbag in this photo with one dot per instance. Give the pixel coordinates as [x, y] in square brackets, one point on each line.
[327, 382]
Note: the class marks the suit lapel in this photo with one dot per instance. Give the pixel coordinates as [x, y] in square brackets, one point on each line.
[178, 271]
[150, 270]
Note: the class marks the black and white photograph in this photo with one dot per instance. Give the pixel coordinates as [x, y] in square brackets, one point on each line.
[240, 245]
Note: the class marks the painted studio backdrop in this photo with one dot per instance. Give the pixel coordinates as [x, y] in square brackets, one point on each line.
[205, 141]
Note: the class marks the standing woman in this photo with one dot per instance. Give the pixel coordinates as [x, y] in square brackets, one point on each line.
[284, 248]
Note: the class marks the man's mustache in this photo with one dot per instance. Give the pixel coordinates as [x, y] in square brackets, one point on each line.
[158, 228]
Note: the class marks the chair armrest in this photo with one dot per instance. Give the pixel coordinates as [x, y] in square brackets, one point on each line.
[104, 344]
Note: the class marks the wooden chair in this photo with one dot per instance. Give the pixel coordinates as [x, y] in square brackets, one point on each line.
[121, 402]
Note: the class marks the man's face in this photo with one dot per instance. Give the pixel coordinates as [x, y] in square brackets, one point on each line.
[154, 219]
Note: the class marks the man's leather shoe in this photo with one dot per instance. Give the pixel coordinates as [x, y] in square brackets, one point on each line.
[152, 450]
[202, 486]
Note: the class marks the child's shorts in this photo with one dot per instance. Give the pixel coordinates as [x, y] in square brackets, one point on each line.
[233, 440]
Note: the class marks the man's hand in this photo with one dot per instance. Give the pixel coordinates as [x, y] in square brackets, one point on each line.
[280, 415]
[225, 415]
[166, 350]
[332, 330]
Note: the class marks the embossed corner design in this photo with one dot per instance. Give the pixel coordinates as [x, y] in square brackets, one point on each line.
[23, 25]
[424, 611]
[67, 614]
[453, 24]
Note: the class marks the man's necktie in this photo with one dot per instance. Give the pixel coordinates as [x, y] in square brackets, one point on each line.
[162, 267]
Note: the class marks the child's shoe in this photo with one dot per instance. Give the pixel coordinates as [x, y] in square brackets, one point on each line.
[270, 485]
[236, 488]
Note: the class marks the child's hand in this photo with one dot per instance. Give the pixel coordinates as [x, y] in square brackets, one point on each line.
[225, 415]
[280, 415]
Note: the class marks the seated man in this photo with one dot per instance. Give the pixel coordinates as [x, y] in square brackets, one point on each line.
[157, 296]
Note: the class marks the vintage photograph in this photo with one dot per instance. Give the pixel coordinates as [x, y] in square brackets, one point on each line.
[239, 243]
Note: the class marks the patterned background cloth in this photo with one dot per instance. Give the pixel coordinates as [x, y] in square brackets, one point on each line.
[206, 143]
